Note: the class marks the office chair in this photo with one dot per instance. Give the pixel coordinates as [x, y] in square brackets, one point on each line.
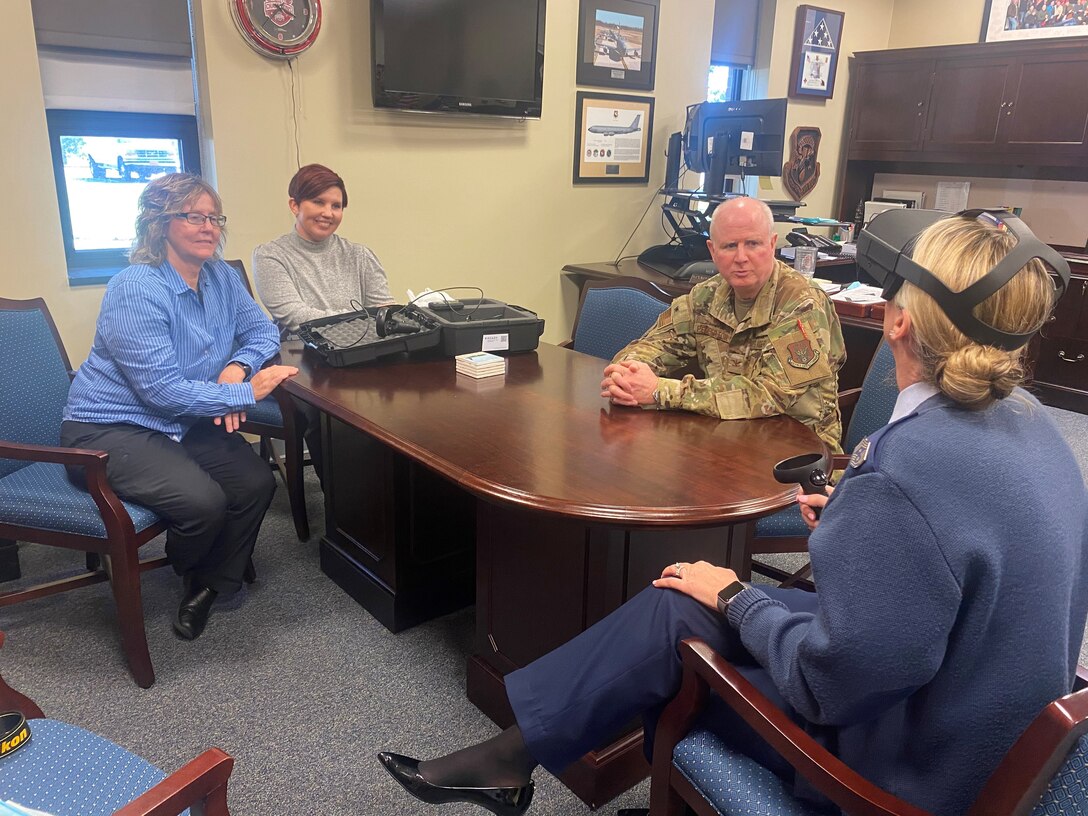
[612, 313]
[274, 417]
[62, 768]
[1044, 772]
[37, 502]
[865, 410]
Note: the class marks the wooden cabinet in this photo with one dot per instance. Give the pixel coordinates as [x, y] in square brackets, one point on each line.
[889, 103]
[1061, 351]
[1009, 104]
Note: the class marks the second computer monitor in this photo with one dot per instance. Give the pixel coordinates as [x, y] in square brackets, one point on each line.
[743, 138]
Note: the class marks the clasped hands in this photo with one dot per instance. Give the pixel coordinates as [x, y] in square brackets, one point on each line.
[631, 383]
[263, 383]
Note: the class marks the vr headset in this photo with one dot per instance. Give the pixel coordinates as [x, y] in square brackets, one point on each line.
[884, 251]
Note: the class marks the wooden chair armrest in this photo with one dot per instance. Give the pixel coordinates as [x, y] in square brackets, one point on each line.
[839, 461]
[849, 398]
[12, 700]
[114, 516]
[81, 457]
[828, 774]
[567, 344]
[203, 778]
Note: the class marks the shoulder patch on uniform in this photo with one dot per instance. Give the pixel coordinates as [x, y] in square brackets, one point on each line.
[802, 354]
[860, 454]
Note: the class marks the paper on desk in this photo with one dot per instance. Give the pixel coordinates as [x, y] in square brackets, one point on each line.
[952, 195]
[859, 293]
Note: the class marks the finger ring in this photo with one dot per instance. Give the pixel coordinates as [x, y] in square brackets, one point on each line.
[679, 570]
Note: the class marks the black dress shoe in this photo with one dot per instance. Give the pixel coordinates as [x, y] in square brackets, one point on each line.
[250, 573]
[500, 801]
[193, 612]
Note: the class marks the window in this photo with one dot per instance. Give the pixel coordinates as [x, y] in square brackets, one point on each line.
[101, 163]
[724, 83]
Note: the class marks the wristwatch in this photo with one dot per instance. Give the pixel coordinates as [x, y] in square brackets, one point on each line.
[244, 367]
[728, 594]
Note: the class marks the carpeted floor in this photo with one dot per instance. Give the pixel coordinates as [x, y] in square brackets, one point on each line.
[292, 678]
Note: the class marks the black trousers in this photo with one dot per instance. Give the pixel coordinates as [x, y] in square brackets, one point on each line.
[309, 418]
[211, 488]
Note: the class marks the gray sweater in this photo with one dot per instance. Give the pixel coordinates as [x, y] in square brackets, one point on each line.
[299, 280]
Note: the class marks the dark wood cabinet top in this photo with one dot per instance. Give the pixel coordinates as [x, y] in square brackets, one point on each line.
[542, 438]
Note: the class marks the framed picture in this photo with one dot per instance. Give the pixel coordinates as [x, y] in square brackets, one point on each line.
[612, 137]
[817, 41]
[617, 43]
[1032, 20]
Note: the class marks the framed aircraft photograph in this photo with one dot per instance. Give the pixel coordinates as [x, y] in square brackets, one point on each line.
[817, 41]
[612, 136]
[617, 43]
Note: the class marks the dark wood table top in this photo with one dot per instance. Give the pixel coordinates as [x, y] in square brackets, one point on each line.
[542, 438]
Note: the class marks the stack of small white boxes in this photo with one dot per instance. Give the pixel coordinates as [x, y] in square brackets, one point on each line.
[480, 364]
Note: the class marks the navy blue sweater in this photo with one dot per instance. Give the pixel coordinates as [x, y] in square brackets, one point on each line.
[953, 591]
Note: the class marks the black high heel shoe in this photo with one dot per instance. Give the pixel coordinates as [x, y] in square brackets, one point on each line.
[500, 801]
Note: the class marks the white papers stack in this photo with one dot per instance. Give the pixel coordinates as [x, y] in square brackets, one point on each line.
[480, 364]
[859, 293]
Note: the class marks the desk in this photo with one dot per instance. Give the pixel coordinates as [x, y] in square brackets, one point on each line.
[840, 270]
[570, 505]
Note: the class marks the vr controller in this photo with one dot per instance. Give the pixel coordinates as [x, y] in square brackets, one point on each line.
[808, 470]
[392, 320]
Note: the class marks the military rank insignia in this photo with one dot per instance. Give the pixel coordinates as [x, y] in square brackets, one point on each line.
[860, 454]
[802, 354]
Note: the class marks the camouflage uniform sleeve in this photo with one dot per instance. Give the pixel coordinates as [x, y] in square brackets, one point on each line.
[669, 345]
[795, 374]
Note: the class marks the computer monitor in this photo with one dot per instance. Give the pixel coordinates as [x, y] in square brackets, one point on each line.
[744, 138]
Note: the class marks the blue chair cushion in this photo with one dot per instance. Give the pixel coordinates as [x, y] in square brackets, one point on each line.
[1067, 794]
[68, 771]
[786, 522]
[40, 496]
[266, 412]
[732, 783]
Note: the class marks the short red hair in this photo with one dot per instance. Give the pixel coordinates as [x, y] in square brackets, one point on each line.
[312, 180]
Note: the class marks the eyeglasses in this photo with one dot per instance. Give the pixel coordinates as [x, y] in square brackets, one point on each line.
[198, 219]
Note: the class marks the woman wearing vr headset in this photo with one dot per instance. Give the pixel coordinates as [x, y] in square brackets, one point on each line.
[952, 582]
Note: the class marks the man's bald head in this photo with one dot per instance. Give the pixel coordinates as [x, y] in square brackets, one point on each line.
[742, 240]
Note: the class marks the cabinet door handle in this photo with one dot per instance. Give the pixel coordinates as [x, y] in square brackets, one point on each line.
[1064, 359]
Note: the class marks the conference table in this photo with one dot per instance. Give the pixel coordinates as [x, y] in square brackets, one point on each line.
[532, 496]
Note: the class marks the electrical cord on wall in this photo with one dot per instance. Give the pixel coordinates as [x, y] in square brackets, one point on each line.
[294, 112]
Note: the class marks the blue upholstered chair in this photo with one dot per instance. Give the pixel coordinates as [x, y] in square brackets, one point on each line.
[1045, 773]
[872, 404]
[37, 502]
[612, 313]
[274, 418]
[65, 769]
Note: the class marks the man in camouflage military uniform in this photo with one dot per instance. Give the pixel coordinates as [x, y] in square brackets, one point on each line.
[766, 340]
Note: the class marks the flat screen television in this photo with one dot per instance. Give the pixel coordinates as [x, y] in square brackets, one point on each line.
[743, 138]
[465, 56]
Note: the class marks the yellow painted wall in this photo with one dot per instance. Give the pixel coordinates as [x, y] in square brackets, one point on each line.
[33, 254]
[865, 28]
[936, 22]
[443, 200]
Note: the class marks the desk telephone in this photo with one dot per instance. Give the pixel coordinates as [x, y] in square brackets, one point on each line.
[799, 236]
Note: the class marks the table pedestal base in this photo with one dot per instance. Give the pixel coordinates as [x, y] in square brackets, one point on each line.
[540, 581]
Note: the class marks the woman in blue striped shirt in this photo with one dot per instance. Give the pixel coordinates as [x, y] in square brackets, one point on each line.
[175, 363]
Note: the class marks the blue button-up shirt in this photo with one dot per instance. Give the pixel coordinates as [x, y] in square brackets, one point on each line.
[160, 346]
